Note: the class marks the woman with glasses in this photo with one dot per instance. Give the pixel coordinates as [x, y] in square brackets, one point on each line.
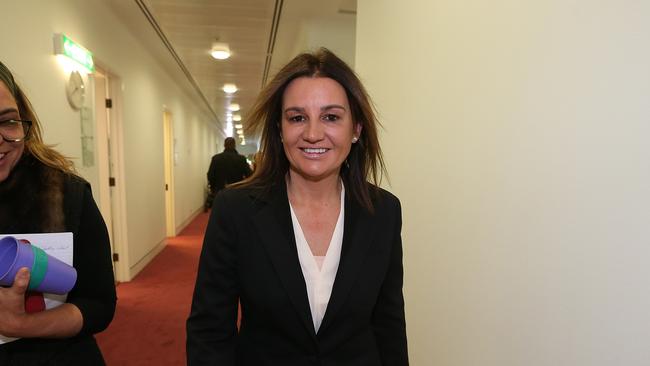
[41, 193]
[310, 248]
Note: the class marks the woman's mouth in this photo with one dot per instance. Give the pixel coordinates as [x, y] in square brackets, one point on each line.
[309, 150]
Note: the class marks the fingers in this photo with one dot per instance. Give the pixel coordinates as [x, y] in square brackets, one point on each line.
[22, 280]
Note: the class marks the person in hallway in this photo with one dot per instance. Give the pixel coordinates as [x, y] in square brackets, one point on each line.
[309, 244]
[226, 168]
[40, 193]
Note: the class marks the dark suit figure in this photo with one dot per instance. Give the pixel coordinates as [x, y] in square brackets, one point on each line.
[308, 245]
[226, 168]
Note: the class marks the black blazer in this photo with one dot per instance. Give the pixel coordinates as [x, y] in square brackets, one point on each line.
[249, 254]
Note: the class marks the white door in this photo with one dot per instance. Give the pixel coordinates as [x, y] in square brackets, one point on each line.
[103, 151]
[110, 167]
[168, 143]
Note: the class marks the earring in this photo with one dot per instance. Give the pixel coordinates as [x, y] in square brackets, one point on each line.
[355, 139]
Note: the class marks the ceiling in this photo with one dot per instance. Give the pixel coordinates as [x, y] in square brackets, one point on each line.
[263, 35]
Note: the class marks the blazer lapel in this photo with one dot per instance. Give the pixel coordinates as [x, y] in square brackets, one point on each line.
[357, 237]
[273, 221]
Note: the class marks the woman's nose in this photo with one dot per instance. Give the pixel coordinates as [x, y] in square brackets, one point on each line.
[313, 130]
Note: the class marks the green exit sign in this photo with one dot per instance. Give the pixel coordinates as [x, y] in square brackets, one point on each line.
[67, 47]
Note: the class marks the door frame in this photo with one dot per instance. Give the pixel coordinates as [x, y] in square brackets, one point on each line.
[110, 158]
[168, 152]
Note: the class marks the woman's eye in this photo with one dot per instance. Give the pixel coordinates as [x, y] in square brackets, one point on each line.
[331, 117]
[297, 118]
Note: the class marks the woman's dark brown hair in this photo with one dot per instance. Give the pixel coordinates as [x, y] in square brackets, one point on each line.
[365, 161]
[34, 144]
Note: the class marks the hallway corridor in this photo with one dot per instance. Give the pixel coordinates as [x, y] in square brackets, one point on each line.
[149, 324]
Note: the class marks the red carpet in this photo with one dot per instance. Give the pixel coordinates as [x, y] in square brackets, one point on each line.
[149, 324]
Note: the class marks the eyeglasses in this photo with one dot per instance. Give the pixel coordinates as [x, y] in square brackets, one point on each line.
[15, 130]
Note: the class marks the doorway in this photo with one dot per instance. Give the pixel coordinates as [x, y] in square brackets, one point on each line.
[168, 143]
[110, 167]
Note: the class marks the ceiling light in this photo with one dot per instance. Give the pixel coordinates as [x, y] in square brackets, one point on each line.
[243, 141]
[229, 88]
[220, 51]
[240, 131]
[239, 125]
[236, 118]
[234, 107]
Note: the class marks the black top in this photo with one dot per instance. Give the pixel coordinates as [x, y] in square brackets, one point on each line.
[249, 255]
[226, 168]
[38, 199]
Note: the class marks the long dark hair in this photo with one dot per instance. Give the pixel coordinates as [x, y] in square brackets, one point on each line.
[34, 144]
[364, 163]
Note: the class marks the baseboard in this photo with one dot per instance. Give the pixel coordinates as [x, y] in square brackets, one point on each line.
[136, 268]
[187, 221]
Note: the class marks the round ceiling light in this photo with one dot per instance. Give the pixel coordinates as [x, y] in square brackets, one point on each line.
[229, 88]
[234, 107]
[220, 51]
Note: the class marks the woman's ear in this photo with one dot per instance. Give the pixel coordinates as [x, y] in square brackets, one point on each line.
[357, 131]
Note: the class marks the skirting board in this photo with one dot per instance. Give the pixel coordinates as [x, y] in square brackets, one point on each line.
[187, 221]
[133, 271]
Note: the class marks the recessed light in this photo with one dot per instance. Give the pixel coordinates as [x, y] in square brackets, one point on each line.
[236, 118]
[220, 51]
[239, 126]
[234, 107]
[230, 88]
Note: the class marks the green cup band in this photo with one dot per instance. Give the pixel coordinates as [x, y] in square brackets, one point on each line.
[38, 269]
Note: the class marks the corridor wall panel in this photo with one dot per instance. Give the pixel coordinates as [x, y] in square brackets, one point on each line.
[516, 135]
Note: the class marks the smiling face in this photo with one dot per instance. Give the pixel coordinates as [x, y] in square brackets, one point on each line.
[317, 127]
[10, 152]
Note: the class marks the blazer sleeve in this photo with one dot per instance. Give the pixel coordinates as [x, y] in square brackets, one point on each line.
[388, 318]
[211, 326]
[94, 292]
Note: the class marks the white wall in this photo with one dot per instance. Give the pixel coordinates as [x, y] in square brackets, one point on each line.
[148, 87]
[306, 25]
[516, 137]
[336, 34]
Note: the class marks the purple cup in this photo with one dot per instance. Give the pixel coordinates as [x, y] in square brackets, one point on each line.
[59, 277]
[13, 256]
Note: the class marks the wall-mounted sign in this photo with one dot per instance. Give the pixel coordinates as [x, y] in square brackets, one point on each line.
[74, 51]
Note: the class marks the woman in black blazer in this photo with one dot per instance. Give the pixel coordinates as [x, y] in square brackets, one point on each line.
[40, 192]
[310, 249]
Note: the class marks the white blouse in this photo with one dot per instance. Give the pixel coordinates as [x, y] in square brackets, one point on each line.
[319, 277]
